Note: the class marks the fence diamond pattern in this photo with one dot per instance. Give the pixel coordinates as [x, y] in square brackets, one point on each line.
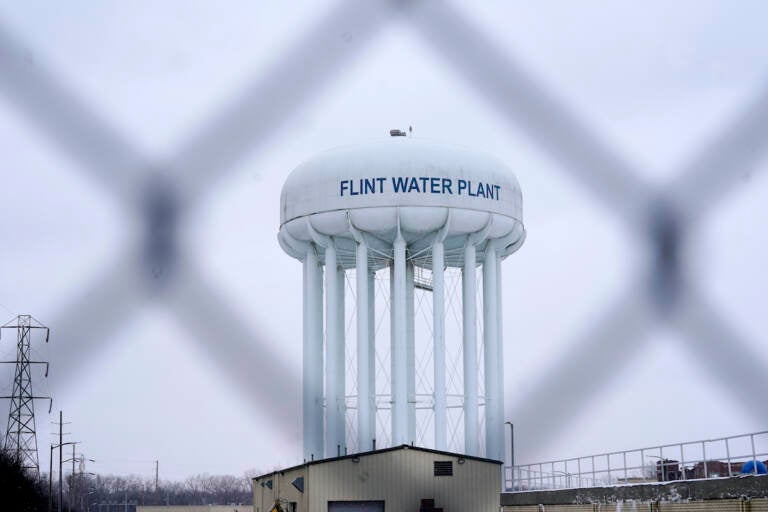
[162, 197]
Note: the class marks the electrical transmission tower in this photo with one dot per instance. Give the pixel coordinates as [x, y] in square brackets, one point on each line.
[20, 437]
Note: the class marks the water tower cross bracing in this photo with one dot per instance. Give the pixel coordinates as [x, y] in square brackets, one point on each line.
[405, 208]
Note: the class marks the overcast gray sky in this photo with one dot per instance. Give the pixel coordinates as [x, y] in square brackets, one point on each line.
[655, 81]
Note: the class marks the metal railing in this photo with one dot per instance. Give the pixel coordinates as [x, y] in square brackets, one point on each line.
[709, 458]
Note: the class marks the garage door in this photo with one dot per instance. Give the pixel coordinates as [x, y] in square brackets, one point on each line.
[355, 506]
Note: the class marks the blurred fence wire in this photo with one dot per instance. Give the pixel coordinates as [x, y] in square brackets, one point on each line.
[160, 195]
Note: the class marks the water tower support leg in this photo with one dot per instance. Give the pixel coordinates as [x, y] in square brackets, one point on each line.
[399, 355]
[469, 306]
[494, 408]
[372, 352]
[363, 350]
[500, 358]
[312, 361]
[334, 359]
[438, 333]
[341, 354]
[411, 351]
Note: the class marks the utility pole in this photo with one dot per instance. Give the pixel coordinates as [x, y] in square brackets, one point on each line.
[61, 443]
[60, 446]
[82, 491]
[73, 485]
[157, 472]
[72, 481]
[77, 477]
[50, 481]
[20, 436]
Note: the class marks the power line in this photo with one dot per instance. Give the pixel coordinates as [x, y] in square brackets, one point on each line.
[8, 310]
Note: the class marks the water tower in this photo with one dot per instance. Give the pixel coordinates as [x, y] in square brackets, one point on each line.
[402, 228]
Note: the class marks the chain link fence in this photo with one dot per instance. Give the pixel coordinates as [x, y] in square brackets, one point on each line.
[161, 197]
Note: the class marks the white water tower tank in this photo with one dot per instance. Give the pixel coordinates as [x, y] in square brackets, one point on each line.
[407, 208]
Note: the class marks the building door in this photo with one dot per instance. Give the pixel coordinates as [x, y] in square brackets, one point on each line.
[356, 506]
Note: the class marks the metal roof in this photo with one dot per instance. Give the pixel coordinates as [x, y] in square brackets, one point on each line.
[376, 452]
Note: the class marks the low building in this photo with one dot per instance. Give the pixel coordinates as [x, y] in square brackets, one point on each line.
[398, 479]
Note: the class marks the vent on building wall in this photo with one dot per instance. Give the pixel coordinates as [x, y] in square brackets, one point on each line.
[443, 468]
